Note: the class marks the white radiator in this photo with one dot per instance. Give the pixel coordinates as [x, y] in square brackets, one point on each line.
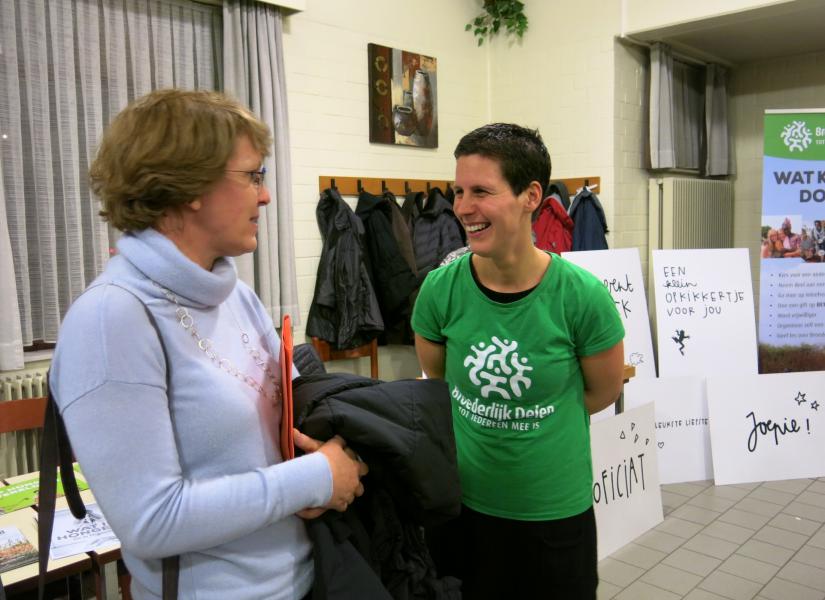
[20, 452]
[690, 213]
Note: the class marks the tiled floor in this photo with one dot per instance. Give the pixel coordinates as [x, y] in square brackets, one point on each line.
[763, 541]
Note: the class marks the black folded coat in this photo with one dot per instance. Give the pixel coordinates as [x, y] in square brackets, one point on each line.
[403, 429]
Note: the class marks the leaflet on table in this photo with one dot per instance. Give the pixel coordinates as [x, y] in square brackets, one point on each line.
[22, 494]
[75, 536]
[15, 550]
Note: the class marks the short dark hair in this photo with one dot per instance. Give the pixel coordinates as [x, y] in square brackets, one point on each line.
[520, 152]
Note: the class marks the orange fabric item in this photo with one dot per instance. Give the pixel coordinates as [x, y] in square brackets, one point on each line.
[287, 439]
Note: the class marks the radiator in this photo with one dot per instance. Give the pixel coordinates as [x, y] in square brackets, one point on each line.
[690, 213]
[20, 452]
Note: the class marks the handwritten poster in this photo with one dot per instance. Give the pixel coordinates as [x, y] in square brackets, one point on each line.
[621, 273]
[767, 427]
[792, 238]
[626, 495]
[704, 312]
[682, 430]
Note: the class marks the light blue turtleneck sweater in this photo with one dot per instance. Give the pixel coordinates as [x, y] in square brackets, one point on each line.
[182, 457]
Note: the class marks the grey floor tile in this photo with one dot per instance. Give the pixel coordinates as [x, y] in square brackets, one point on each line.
[780, 537]
[746, 486]
[716, 503]
[729, 531]
[659, 540]
[711, 546]
[812, 498]
[639, 590]
[817, 486]
[795, 524]
[693, 562]
[730, 586]
[765, 552]
[686, 489]
[759, 507]
[771, 495]
[745, 519]
[729, 492]
[618, 573]
[811, 555]
[807, 575]
[671, 579]
[806, 511]
[792, 486]
[703, 516]
[781, 589]
[671, 500]
[700, 594]
[680, 527]
[818, 539]
[639, 556]
[749, 568]
[606, 591]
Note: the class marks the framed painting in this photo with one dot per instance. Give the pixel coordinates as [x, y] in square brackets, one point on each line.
[403, 97]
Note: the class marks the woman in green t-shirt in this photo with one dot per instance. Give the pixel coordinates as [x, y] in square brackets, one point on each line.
[530, 346]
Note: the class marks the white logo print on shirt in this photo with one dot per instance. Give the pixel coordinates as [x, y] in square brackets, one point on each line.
[500, 365]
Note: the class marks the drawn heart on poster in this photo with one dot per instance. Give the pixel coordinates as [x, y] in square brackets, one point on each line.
[661, 444]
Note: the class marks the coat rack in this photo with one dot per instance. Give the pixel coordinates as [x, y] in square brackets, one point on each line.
[352, 186]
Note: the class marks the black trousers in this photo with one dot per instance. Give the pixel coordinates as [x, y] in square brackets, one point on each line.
[504, 559]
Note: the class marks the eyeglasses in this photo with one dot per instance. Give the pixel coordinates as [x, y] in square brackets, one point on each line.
[256, 178]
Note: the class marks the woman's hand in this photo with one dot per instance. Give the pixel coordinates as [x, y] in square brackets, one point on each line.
[347, 470]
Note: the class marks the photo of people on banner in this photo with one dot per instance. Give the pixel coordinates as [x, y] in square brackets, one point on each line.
[781, 241]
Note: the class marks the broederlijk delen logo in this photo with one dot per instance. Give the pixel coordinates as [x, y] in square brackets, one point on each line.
[500, 366]
[796, 136]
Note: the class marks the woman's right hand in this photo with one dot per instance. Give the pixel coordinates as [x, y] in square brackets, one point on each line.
[347, 470]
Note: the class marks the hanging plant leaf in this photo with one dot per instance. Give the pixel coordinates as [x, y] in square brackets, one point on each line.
[510, 13]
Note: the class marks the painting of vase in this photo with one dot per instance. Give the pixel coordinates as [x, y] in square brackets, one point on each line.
[403, 97]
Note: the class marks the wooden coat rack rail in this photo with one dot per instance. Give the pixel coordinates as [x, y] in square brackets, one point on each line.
[352, 186]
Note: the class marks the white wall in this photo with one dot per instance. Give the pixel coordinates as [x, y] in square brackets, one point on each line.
[560, 78]
[325, 53]
[794, 82]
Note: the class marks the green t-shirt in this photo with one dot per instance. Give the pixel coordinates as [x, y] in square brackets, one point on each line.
[521, 427]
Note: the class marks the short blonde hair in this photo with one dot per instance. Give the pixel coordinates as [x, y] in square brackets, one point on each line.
[166, 149]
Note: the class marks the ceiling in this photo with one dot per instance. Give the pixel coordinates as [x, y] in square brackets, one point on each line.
[748, 36]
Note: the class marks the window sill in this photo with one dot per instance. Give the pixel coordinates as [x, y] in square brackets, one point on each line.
[37, 356]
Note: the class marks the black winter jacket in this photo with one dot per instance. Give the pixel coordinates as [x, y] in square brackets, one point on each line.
[435, 229]
[391, 276]
[589, 222]
[344, 309]
[403, 430]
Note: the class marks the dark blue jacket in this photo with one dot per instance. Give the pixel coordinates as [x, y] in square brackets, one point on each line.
[589, 222]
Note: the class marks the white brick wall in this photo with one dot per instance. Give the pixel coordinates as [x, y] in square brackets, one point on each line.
[325, 53]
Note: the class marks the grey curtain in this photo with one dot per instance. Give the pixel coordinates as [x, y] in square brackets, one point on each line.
[717, 160]
[254, 74]
[66, 68]
[662, 127]
[11, 338]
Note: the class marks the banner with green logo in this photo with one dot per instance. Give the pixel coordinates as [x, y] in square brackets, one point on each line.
[792, 281]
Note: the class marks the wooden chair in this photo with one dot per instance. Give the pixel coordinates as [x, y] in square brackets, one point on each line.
[23, 415]
[326, 352]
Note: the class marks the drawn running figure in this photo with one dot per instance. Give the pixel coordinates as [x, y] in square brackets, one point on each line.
[680, 339]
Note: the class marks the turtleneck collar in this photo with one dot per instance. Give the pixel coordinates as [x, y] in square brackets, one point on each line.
[157, 257]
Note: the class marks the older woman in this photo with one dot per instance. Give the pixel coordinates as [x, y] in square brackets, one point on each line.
[166, 368]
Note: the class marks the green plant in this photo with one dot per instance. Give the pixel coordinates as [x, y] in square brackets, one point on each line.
[509, 13]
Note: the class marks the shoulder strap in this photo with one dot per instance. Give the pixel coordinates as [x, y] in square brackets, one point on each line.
[57, 449]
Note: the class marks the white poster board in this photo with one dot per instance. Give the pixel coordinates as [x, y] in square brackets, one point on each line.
[767, 427]
[621, 273]
[682, 430]
[704, 312]
[626, 495]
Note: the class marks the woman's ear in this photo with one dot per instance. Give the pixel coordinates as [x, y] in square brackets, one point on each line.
[534, 196]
